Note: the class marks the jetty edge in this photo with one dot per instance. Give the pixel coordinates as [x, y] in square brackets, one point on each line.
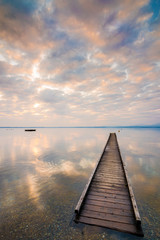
[108, 199]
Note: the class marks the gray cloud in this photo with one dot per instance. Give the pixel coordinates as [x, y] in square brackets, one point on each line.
[51, 96]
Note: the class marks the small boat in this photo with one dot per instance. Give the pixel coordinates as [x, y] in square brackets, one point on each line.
[30, 130]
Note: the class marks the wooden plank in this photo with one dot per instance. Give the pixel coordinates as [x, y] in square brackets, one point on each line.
[111, 177]
[114, 172]
[108, 204]
[111, 170]
[111, 183]
[110, 186]
[109, 199]
[109, 190]
[129, 228]
[109, 166]
[107, 194]
[111, 158]
[107, 216]
[114, 161]
[113, 211]
[108, 176]
[111, 180]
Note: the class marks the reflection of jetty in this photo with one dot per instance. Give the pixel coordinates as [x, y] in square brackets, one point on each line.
[108, 199]
[30, 130]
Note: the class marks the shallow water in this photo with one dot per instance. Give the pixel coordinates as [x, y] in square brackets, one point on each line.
[43, 173]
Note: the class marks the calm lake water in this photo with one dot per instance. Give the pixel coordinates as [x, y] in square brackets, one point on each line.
[43, 173]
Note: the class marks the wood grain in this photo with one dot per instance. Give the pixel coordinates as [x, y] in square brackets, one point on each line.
[108, 199]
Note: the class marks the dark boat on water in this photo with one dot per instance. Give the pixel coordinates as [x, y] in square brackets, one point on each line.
[30, 130]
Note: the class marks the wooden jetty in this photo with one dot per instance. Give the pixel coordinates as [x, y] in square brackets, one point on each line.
[108, 199]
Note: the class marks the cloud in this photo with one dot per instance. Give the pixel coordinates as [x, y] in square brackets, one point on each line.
[79, 59]
[51, 96]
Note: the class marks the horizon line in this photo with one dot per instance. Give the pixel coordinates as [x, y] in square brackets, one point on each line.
[131, 126]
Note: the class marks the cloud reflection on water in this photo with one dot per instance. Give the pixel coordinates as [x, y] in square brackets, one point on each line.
[43, 171]
[141, 154]
[37, 160]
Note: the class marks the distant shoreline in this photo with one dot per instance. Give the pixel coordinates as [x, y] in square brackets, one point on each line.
[91, 127]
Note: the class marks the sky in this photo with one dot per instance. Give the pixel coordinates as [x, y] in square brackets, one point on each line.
[79, 63]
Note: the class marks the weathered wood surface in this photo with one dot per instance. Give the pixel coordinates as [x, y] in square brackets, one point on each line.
[108, 199]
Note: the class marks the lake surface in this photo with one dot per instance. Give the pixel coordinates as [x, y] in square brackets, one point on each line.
[43, 173]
